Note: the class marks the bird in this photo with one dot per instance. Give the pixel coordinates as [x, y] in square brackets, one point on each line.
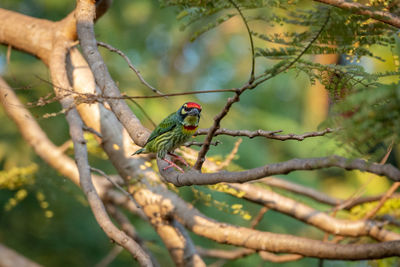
[172, 132]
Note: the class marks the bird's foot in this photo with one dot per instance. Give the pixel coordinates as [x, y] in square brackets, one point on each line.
[179, 158]
[171, 164]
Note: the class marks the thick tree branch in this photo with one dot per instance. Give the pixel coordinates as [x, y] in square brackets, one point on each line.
[360, 9]
[57, 66]
[117, 144]
[35, 136]
[196, 178]
[278, 243]
[85, 14]
[314, 217]
[35, 36]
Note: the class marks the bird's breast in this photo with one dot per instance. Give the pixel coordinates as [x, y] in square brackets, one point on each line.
[189, 129]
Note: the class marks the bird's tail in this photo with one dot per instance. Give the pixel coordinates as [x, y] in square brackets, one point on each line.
[138, 151]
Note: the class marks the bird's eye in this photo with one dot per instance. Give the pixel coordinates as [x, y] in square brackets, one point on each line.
[186, 108]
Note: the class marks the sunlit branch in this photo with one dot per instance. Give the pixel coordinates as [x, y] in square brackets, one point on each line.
[230, 157]
[312, 216]
[260, 215]
[11, 258]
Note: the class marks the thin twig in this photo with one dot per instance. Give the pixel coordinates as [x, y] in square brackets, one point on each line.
[231, 156]
[259, 217]
[196, 143]
[110, 257]
[125, 96]
[144, 112]
[363, 188]
[389, 193]
[266, 134]
[8, 56]
[382, 201]
[291, 63]
[253, 59]
[91, 130]
[119, 52]
[126, 193]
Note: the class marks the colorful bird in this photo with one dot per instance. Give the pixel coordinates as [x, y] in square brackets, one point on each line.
[172, 132]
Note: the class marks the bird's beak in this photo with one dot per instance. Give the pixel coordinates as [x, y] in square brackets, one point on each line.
[194, 112]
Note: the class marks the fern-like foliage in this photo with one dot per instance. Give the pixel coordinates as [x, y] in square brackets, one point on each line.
[365, 109]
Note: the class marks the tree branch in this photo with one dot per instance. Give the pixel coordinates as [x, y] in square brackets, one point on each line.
[360, 9]
[317, 195]
[314, 217]
[85, 14]
[243, 252]
[196, 178]
[11, 258]
[137, 72]
[266, 134]
[57, 67]
[104, 121]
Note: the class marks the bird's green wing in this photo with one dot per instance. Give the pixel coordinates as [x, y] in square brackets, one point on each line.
[166, 125]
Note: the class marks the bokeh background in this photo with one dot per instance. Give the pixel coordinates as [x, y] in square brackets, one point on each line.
[47, 218]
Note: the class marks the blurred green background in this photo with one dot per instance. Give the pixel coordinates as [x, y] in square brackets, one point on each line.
[48, 219]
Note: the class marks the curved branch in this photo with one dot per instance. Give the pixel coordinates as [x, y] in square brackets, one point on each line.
[57, 67]
[85, 14]
[196, 178]
[135, 70]
[360, 9]
[35, 136]
[253, 58]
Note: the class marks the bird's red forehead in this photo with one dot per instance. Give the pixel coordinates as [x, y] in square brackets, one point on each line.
[193, 105]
